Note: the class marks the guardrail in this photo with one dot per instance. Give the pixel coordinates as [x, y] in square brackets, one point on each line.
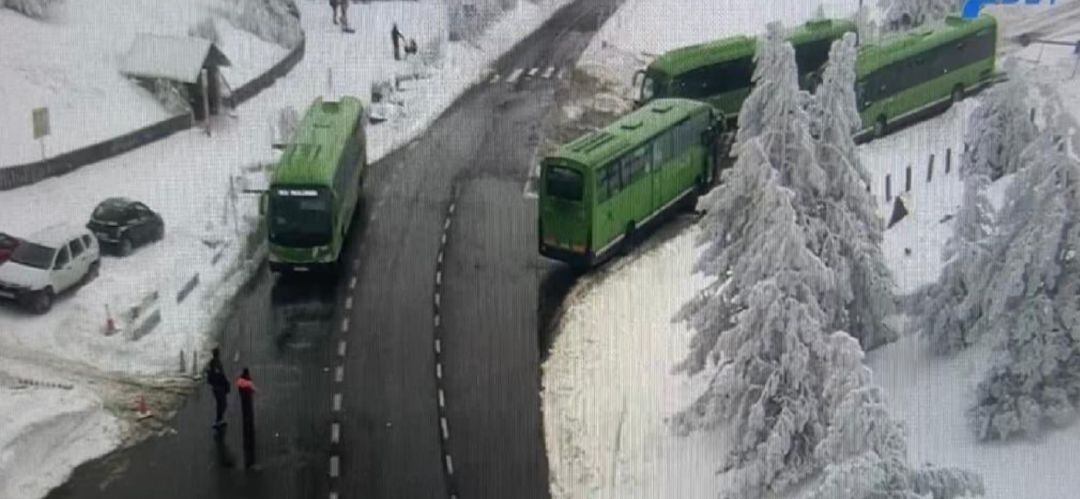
[12, 177]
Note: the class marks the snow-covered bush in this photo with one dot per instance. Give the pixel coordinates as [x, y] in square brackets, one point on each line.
[952, 307]
[205, 29]
[904, 14]
[998, 131]
[851, 245]
[37, 9]
[1030, 303]
[275, 21]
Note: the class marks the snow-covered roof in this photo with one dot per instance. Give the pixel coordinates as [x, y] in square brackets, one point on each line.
[178, 58]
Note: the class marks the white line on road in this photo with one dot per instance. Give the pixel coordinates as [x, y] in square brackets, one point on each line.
[335, 466]
[443, 239]
[532, 72]
[335, 433]
[348, 303]
[445, 429]
[440, 257]
[549, 72]
[449, 465]
[333, 495]
[345, 325]
[452, 208]
[339, 374]
[446, 225]
[438, 370]
[436, 320]
[436, 299]
[356, 265]
[442, 398]
[341, 348]
[352, 283]
[438, 346]
[438, 278]
[337, 402]
[515, 75]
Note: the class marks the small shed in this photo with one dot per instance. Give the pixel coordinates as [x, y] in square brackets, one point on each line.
[180, 59]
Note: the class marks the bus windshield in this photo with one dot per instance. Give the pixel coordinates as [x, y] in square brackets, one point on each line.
[564, 183]
[299, 218]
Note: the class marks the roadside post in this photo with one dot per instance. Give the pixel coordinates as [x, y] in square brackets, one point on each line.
[205, 100]
[40, 120]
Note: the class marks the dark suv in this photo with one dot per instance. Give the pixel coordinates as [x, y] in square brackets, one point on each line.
[121, 224]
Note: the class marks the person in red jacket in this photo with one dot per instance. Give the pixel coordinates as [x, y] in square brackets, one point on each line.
[246, 389]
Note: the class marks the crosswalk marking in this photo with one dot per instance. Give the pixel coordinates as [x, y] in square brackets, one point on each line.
[533, 71]
[514, 75]
[550, 70]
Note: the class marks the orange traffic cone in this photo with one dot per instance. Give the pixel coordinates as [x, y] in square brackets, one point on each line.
[141, 408]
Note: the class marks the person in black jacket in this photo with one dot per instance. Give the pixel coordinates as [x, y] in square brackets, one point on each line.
[246, 389]
[219, 385]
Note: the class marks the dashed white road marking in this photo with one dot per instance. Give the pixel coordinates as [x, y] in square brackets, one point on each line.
[333, 495]
[337, 402]
[446, 224]
[438, 346]
[532, 72]
[339, 374]
[445, 429]
[345, 325]
[442, 398]
[550, 70]
[514, 75]
[436, 320]
[335, 433]
[440, 257]
[356, 265]
[341, 348]
[438, 370]
[335, 466]
[438, 278]
[449, 465]
[348, 303]
[452, 206]
[436, 299]
[352, 283]
[444, 239]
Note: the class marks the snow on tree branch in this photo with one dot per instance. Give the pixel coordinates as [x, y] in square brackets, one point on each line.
[998, 131]
[904, 14]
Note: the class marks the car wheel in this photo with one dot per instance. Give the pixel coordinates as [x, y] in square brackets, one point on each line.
[125, 247]
[93, 271]
[40, 302]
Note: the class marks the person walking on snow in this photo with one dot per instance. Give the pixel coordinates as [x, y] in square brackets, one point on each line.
[397, 39]
[219, 385]
[246, 390]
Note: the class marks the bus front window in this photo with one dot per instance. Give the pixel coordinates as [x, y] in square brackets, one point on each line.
[564, 183]
[299, 218]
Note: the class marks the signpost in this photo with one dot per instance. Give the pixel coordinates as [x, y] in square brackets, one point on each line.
[41, 126]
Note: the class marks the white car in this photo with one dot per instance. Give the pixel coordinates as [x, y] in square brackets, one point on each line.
[47, 264]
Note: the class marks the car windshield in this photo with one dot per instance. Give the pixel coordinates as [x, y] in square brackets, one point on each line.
[299, 218]
[111, 212]
[564, 183]
[33, 255]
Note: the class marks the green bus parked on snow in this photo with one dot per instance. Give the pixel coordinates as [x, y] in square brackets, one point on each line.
[316, 187]
[603, 188]
[912, 73]
[720, 72]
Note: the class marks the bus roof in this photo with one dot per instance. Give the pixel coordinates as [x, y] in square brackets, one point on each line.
[314, 154]
[598, 148]
[685, 59]
[874, 57]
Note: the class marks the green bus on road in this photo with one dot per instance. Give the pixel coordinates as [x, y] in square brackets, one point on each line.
[720, 72]
[316, 187]
[603, 188]
[912, 73]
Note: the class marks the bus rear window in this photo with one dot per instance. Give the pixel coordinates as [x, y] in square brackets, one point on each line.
[564, 183]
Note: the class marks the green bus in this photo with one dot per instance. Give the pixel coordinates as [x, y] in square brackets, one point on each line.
[316, 187]
[720, 72]
[602, 189]
[912, 73]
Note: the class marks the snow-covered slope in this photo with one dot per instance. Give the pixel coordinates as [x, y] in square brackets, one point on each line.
[70, 64]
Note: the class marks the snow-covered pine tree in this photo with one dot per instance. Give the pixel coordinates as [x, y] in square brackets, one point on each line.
[853, 237]
[1030, 300]
[953, 306]
[865, 448]
[904, 14]
[998, 131]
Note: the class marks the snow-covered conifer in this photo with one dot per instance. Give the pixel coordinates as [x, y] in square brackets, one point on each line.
[952, 307]
[998, 131]
[904, 14]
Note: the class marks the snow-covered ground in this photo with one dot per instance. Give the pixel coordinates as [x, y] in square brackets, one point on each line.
[70, 64]
[187, 179]
[609, 383]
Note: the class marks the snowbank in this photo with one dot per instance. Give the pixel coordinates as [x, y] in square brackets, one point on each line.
[70, 64]
[609, 386]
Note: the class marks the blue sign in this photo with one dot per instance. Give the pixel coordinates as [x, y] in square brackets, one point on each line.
[972, 7]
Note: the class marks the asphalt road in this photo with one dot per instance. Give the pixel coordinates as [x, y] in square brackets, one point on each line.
[367, 337]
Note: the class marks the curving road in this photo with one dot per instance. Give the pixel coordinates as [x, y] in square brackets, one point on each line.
[349, 393]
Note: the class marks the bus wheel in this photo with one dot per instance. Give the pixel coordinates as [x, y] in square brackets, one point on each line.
[879, 127]
[957, 95]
